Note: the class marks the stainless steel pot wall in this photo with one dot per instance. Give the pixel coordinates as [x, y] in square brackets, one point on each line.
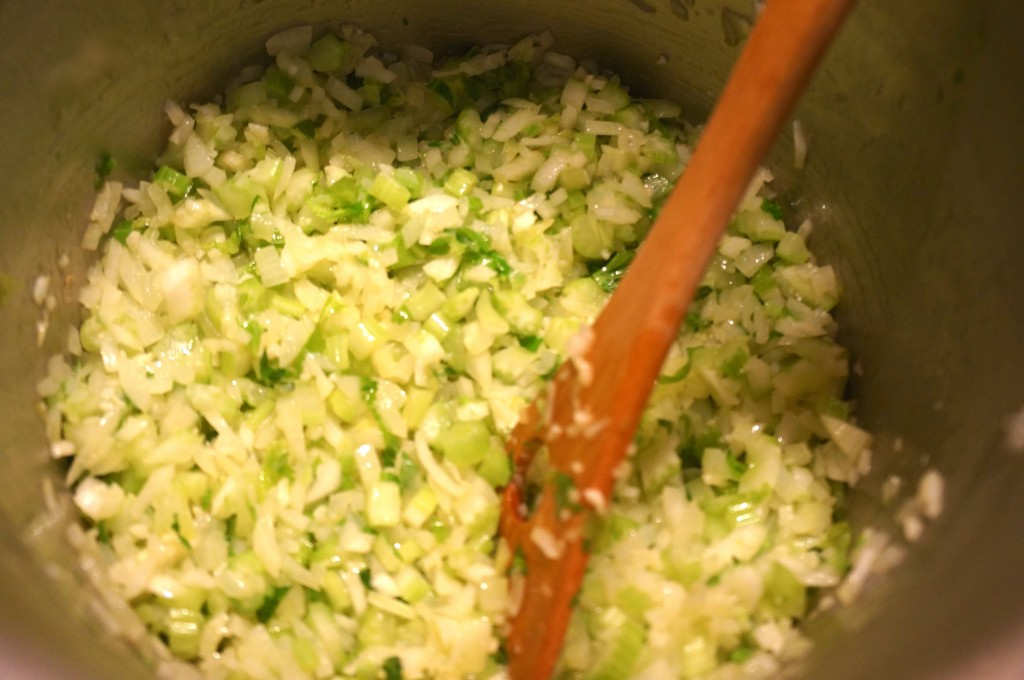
[915, 178]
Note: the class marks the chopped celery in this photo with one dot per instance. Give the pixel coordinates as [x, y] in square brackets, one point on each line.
[495, 468]
[345, 201]
[465, 443]
[625, 638]
[660, 149]
[279, 84]
[443, 91]
[389, 191]
[425, 302]
[365, 338]
[758, 225]
[460, 182]
[456, 307]
[792, 249]
[176, 184]
[586, 143]
[305, 654]
[327, 54]
[383, 504]
[783, 593]
[183, 629]
[411, 585]
[420, 507]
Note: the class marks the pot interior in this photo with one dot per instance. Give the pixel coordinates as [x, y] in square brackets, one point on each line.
[914, 169]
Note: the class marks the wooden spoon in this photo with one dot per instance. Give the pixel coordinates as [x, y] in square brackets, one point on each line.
[596, 398]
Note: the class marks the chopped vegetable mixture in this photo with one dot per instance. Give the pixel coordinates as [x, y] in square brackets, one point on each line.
[308, 333]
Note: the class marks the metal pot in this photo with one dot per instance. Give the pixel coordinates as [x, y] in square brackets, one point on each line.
[914, 178]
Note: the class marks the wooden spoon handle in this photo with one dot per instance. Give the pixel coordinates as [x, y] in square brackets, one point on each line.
[591, 418]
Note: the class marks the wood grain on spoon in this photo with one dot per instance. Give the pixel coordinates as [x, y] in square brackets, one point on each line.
[595, 402]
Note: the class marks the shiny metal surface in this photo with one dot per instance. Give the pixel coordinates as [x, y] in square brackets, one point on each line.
[915, 172]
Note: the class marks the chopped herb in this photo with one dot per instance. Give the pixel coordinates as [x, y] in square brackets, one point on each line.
[102, 533]
[271, 602]
[609, 274]
[364, 576]
[691, 452]
[529, 342]
[733, 366]
[736, 466]
[207, 430]
[772, 208]
[392, 668]
[681, 374]
[368, 388]
[451, 372]
[439, 246]
[479, 251]
[408, 472]
[279, 84]
[270, 375]
[703, 292]
[346, 201]
[519, 565]
[551, 373]
[564, 488]
[695, 322]
[121, 231]
[176, 527]
[472, 238]
[307, 128]
[442, 90]
[276, 466]
[105, 165]
[498, 263]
